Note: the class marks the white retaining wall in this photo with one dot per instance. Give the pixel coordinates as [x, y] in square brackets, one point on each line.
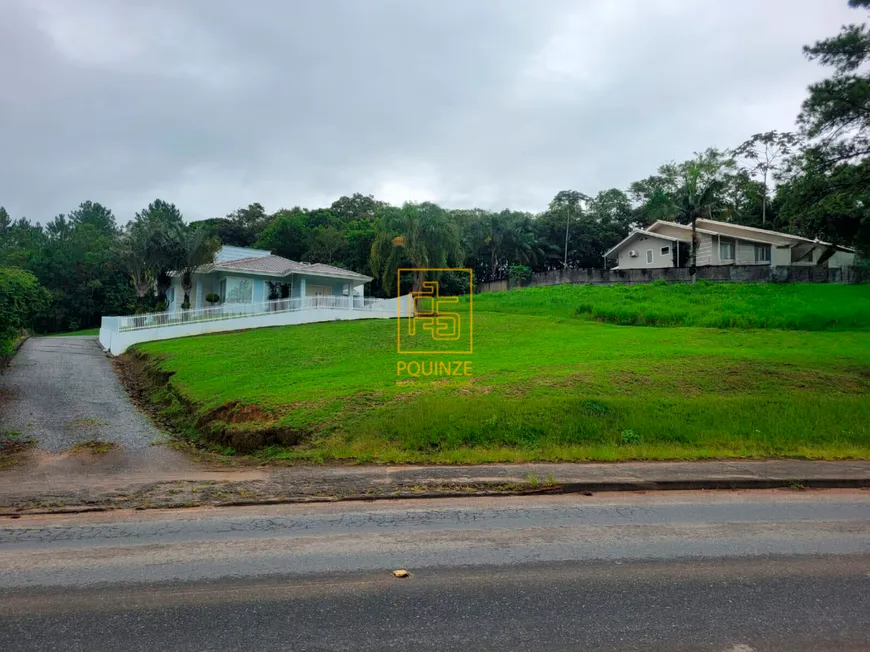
[116, 342]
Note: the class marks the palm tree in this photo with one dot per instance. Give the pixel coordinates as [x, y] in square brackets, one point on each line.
[516, 241]
[417, 236]
[196, 248]
[133, 252]
[697, 198]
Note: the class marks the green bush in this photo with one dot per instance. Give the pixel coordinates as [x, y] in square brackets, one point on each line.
[21, 299]
[212, 298]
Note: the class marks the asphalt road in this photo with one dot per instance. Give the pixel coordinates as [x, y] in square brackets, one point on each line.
[704, 571]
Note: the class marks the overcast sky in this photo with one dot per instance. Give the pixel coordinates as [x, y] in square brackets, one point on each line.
[213, 104]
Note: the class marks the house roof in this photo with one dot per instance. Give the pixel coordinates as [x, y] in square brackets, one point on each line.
[750, 230]
[280, 266]
[686, 227]
[638, 232]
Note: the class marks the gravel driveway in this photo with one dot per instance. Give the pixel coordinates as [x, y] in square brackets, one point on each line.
[63, 390]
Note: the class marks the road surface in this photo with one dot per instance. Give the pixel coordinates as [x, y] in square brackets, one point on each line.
[62, 391]
[734, 571]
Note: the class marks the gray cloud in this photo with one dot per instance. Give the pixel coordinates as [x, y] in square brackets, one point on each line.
[213, 104]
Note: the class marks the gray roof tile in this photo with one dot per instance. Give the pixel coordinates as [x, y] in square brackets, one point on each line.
[279, 265]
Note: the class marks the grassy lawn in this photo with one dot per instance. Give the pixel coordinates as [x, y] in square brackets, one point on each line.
[86, 331]
[550, 382]
[812, 307]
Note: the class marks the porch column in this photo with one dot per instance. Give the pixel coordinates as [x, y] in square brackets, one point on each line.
[301, 292]
[349, 287]
[198, 300]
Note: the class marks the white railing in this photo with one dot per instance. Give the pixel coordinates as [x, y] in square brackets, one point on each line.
[235, 310]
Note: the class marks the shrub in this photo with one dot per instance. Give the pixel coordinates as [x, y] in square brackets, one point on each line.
[519, 273]
[212, 298]
[21, 298]
[629, 437]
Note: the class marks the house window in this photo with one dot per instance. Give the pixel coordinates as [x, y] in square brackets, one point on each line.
[726, 250]
[666, 251]
[809, 257]
[762, 253]
[237, 290]
[649, 256]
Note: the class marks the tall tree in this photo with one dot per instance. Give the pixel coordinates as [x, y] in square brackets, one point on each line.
[286, 235]
[136, 258]
[94, 215]
[763, 154]
[326, 244]
[5, 222]
[567, 205]
[160, 226]
[827, 193]
[356, 207]
[697, 198]
[417, 236]
[197, 248]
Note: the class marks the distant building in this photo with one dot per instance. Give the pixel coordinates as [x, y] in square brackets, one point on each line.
[723, 243]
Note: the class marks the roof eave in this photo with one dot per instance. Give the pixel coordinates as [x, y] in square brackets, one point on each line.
[350, 276]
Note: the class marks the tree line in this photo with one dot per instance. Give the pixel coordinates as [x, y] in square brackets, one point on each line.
[812, 182]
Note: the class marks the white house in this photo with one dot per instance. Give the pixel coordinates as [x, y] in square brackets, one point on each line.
[251, 288]
[252, 276]
[723, 243]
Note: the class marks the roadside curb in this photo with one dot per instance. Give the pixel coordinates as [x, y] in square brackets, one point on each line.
[712, 484]
[480, 490]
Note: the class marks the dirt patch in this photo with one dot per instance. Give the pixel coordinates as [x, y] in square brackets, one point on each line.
[751, 376]
[232, 427]
[93, 447]
[14, 448]
[12, 443]
[236, 412]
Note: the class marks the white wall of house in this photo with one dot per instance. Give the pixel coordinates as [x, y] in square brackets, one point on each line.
[706, 254]
[742, 252]
[780, 255]
[643, 245]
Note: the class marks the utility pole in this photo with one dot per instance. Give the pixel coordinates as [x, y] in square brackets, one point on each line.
[567, 224]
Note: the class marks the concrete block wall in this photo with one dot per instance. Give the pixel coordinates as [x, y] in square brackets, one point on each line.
[719, 273]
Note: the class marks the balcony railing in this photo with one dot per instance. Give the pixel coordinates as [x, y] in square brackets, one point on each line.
[236, 310]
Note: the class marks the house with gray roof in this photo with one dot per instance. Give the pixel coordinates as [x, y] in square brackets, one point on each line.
[723, 243]
[251, 288]
[243, 276]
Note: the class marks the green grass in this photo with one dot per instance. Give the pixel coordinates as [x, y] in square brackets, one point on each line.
[86, 331]
[812, 307]
[547, 384]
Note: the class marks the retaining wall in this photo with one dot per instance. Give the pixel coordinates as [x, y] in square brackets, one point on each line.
[116, 341]
[723, 273]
